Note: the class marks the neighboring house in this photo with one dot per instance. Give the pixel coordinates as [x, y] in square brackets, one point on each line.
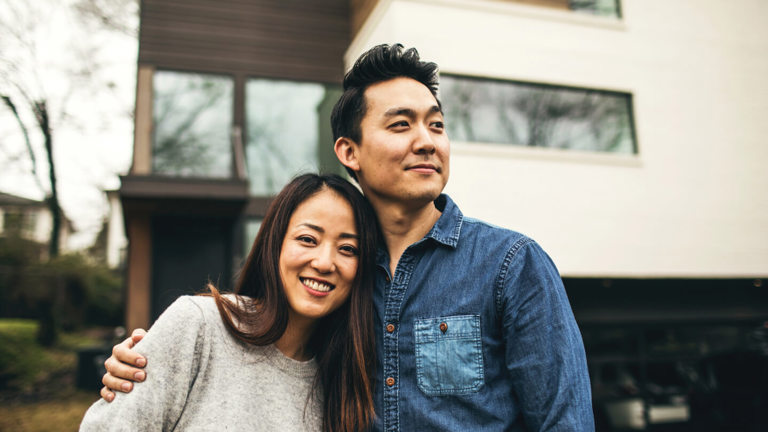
[30, 219]
[111, 244]
[625, 136]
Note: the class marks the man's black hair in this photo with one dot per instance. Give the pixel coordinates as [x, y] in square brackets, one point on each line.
[380, 63]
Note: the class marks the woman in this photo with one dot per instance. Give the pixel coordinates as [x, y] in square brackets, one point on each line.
[293, 350]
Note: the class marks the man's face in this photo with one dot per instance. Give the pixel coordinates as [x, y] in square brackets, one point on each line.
[403, 156]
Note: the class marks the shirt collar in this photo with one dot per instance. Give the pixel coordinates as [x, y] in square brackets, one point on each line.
[445, 231]
[448, 228]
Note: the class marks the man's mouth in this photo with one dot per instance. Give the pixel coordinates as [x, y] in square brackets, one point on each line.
[425, 168]
[317, 285]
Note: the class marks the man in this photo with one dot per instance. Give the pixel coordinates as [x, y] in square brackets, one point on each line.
[473, 326]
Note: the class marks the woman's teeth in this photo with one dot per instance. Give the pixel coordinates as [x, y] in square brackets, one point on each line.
[317, 286]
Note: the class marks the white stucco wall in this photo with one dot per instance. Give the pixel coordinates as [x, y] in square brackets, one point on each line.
[692, 203]
[116, 239]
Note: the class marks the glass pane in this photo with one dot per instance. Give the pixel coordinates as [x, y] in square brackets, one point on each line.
[597, 7]
[192, 115]
[285, 123]
[524, 114]
[251, 229]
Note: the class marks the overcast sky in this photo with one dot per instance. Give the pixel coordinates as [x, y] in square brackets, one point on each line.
[87, 74]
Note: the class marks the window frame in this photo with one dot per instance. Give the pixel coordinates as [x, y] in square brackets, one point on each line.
[500, 148]
[232, 165]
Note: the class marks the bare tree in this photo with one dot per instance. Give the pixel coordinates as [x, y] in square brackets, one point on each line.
[37, 91]
[37, 84]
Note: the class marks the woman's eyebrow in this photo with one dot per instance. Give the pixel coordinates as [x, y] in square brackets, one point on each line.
[312, 226]
[322, 230]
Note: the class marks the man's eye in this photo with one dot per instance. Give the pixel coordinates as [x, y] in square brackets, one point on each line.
[399, 124]
[438, 125]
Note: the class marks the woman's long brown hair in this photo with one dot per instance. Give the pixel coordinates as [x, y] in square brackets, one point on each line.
[343, 341]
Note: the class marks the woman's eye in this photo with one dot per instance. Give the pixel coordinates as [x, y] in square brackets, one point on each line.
[350, 250]
[306, 239]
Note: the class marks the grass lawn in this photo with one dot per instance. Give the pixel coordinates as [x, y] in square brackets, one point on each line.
[61, 414]
[37, 384]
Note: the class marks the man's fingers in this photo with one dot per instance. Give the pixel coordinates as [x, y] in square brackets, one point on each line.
[124, 354]
[137, 335]
[124, 371]
[106, 394]
[112, 384]
[123, 366]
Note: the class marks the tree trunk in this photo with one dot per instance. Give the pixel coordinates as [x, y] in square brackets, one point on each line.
[41, 112]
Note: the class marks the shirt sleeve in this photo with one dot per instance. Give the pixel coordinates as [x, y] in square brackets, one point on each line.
[174, 347]
[544, 350]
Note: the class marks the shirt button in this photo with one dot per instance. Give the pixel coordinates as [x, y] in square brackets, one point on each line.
[390, 328]
[390, 381]
[443, 327]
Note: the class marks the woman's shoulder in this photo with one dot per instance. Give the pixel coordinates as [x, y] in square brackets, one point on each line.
[209, 313]
[206, 304]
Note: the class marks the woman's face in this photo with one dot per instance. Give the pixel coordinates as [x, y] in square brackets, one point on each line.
[318, 261]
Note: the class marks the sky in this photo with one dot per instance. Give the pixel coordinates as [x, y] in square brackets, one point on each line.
[87, 74]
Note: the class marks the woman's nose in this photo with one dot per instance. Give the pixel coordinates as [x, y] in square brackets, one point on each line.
[323, 261]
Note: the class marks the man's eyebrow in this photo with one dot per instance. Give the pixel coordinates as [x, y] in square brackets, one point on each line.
[409, 112]
[321, 230]
[392, 112]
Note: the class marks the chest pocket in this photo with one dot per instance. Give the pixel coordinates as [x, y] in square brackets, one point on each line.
[449, 355]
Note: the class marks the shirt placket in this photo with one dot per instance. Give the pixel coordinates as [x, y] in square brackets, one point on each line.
[394, 294]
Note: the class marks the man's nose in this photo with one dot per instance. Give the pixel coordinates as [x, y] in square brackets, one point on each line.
[323, 261]
[424, 141]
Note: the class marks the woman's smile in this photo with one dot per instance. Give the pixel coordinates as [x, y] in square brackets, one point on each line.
[318, 260]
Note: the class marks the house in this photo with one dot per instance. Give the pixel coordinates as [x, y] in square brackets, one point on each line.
[626, 136]
[30, 219]
[111, 243]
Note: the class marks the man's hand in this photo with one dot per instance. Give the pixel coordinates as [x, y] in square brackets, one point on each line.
[120, 367]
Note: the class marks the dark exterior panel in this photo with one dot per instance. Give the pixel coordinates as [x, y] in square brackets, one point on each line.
[303, 40]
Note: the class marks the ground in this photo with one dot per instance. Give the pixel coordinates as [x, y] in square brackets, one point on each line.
[37, 384]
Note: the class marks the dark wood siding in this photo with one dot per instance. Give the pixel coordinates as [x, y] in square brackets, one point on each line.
[291, 39]
[359, 11]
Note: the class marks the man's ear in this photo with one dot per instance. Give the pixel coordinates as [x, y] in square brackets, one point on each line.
[346, 152]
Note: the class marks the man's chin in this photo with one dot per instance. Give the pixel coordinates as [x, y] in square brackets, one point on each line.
[425, 197]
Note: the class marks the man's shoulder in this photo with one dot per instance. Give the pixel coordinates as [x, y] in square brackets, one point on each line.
[477, 227]
[474, 234]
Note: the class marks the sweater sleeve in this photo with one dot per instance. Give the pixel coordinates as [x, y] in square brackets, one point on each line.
[175, 347]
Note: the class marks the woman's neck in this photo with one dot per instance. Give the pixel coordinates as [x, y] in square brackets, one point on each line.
[294, 343]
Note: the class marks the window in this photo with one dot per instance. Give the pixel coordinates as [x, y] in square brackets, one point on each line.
[192, 117]
[608, 8]
[681, 375]
[535, 115]
[19, 223]
[287, 131]
[251, 227]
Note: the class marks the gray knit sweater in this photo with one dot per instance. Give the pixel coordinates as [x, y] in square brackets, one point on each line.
[200, 378]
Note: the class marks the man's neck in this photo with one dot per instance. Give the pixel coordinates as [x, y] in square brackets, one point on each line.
[402, 226]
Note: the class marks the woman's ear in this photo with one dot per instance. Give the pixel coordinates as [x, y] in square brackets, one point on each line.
[346, 152]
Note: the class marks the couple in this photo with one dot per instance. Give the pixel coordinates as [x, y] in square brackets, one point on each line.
[471, 324]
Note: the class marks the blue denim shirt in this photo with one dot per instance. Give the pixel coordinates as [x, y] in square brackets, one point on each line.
[475, 332]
